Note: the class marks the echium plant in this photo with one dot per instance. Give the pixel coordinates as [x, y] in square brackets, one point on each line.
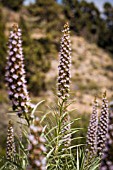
[37, 159]
[107, 159]
[10, 144]
[102, 126]
[91, 142]
[64, 78]
[15, 74]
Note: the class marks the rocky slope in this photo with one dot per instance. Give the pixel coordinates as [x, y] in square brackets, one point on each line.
[92, 73]
[92, 67]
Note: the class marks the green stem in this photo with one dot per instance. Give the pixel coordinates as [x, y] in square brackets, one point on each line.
[27, 119]
[59, 125]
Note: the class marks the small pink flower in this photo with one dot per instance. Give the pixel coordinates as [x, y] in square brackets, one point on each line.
[11, 53]
[18, 56]
[16, 95]
[37, 163]
[14, 42]
[15, 49]
[15, 76]
[43, 148]
[31, 137]
[16, 66]
[10, 46]
[19, 83]
[13, 86]
[12, 70]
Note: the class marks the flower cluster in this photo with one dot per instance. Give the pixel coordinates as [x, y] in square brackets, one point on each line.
[107, 159]
[64, 66]
[92, 132]
[15, 73]
[10, 145]
[36, 147]
[102, 126]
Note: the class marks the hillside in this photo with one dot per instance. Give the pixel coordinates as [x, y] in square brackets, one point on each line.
[91, 69]
[91, 74]
[91, 66]
[56, 76]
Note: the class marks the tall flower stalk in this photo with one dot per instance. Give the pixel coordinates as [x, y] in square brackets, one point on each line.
[36, 147]
[102, 126]
[92, 133]
[64, 79]
[107, 159]
[10, 144]
[15, 74]
[64, 66]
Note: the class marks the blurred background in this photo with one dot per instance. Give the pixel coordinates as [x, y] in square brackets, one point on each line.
[41, 21]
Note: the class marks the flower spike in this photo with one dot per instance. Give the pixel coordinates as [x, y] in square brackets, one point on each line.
[65, 63]
[36, 147]
[107, 159]
[10, 146]
[102, 126]
[15, 73]
[92, 132]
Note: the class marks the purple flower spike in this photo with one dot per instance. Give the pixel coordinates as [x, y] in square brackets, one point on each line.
[15, 73]
[65, 63]
[102, 126]
[36, 147]
[10, 145]
[107, 159]
[92, 133]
